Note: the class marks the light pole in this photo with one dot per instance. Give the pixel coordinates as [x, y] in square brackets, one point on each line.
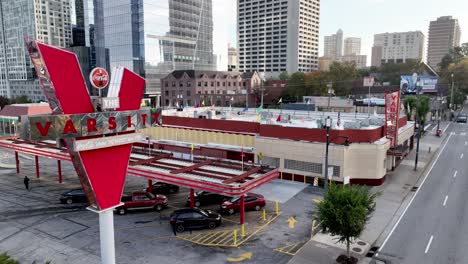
[327, 125]
[451, 95]
[330, 91]
[418, 119]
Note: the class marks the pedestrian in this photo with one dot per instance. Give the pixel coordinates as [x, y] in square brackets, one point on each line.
[26, 182]
[174, 229]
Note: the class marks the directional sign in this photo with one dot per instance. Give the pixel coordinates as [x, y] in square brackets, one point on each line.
[291, 222]
[242, 257]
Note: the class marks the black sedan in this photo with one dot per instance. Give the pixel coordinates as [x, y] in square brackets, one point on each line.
[74, 196]
[207, 198]
[163, 188]
[188, 219]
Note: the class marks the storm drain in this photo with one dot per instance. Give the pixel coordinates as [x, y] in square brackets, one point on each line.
[415, 188]
[372, 252]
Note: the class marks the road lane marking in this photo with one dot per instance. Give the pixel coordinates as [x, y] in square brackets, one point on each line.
[433, 128]
[463, 134]
[466, 143]
[428, 244]
[445, 200]
[446, 127]
[461, 156]
[412, 199]
[455, 174]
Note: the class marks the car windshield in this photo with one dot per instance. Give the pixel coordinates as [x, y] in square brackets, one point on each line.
[199, 193]
[204, 212]
[234, 199]
[151, 196]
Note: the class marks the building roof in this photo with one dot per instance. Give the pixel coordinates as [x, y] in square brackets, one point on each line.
[211, 74]
[16, 110]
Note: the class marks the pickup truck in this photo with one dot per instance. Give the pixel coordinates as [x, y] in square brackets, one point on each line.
[141, 200]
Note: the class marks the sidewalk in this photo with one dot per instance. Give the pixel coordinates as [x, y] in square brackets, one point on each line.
[398, 185]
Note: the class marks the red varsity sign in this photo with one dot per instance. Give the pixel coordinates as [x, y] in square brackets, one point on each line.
[392, 112]
[100, 162]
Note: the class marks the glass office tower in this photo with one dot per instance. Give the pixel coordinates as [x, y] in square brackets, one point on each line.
[155, 37]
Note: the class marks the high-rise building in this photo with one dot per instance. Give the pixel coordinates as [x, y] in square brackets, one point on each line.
[352, 46]
[397, 47]
[333, 46]
[276, 36]
[88, 45]
[45, 20]
[444, 35]
[232, 59]
[154, 38]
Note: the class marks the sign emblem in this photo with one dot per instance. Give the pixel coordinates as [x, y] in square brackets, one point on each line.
[99, 78]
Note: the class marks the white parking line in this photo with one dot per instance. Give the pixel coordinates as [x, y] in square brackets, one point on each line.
[445, 200]
[455, 174]
[414, 196]
[466, 143]
[428, 244]
[463, 134]
[461, 156]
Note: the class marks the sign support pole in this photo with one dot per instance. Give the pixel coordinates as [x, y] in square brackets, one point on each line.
[106, 233]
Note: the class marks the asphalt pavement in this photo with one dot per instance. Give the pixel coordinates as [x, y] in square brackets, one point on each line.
[434, 226]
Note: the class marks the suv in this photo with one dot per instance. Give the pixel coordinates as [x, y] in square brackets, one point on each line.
[188, 219]
[462, 118]
[74, 196]
[207, 198]
[142, 200]
[252, 201]
[163, 188]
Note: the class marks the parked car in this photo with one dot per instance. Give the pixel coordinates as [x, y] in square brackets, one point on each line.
[73, 196]
[188, 219]
[252, 201]
[207, 198]
[163, 188]
[462, 118]
[142, 200]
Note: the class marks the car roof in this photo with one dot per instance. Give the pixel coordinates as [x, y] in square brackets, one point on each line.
[186, 210]
[254, 195]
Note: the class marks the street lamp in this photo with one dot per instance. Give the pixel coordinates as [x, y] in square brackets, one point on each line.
[327, 126]
[330, 92]
[418, 119]
[451, 95]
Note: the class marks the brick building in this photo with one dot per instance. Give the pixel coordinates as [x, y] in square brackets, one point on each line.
[192, 88]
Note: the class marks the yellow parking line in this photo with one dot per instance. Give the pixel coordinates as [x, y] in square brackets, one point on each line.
[203, 236]
[291, 249]
[208, 238]
[221, 237]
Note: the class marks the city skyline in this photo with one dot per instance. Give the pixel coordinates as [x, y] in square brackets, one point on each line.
[359, 25]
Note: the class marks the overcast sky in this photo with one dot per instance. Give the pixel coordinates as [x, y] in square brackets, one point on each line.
[364, 18]
[359, 18]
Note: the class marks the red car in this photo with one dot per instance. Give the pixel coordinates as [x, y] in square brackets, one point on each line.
[142, 200]
[252, 201]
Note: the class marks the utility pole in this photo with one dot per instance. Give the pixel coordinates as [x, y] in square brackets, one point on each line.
[451, 95]
[418, 119]
[327, 125]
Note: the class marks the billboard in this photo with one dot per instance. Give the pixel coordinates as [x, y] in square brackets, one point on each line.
[424, 84]
[392, 112]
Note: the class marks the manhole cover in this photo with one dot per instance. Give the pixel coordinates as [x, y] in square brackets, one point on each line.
[356, 249]
[361, 243]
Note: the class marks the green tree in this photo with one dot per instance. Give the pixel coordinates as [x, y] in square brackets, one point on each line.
[295, 89]
[316, 83]
[345, 210]
[4, 101]
[458, 98]
[284, 76]
[23, 99]
[5, 259]
[410, 104]
[423, 107]
[342, 76]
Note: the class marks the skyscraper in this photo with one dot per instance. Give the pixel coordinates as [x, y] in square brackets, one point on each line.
[232, 59]
[45, 20]
[333, 46]
[154, 38]
[444, 35]
[277, 35]
[352, 46]
[397, 47]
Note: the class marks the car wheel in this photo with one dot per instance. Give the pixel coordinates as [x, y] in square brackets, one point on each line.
[69, 201]
[258, 207]
[180, 228]
[158, 207]
[122, 211]
[231, 211]
[197, 204]
[211, 225]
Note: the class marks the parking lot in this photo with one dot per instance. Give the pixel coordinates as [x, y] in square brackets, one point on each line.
[36, 227]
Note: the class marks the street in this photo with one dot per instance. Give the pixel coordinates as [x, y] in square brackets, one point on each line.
[433, 228]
